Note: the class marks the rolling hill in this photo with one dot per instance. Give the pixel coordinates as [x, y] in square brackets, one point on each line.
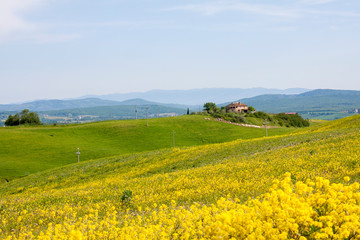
[93, 109]
[46, 105]
[27, 150]
[316, 104]
[116, 112]
[320, 103]
[169, 98]
[197, 97]
[282, 187]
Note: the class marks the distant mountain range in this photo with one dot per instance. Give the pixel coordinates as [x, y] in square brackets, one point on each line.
[46, 105]
[102, 113]
[320, 103]
[196, 97]
[169, 98]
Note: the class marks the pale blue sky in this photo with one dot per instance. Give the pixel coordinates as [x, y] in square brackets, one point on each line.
[62, 49]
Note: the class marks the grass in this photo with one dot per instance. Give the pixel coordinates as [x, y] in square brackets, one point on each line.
[26, 150]
[69, 196]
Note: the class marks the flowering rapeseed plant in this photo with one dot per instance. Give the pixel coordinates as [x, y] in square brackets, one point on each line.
[236, 190]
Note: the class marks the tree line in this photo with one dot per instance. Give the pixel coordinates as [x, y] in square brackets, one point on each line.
[24, 117]
[282, 119]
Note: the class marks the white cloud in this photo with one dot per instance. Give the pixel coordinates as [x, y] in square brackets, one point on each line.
[290, 11]
[333, 13]
[51, 38]
[12, 19]
[316, 2]
[14, 25]
[218, 7]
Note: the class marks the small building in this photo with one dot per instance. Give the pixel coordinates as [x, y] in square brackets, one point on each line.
[237, 107]
[291, 113]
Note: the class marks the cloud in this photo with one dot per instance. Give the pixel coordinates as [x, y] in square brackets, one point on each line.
[290, 11]
[316, 2]
[333, 13]
[219, 7]
[53, 38]
[14, 25]
[12, 19]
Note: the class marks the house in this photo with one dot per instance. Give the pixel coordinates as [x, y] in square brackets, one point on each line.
[237, 107]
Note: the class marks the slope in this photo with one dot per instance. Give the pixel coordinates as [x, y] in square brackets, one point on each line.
[45, 105]
[102, 113]
[27, 150]
[199, 96]
[320, 103]
[151, 195]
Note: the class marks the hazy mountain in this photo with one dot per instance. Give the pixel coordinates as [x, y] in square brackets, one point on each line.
[198, 96]
[45, 105]
[142, 102]
[49, 105]
[102, 113]
[194, 99]
[320, 103]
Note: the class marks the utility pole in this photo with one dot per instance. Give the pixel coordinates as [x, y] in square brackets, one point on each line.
[78, 154]
[265, 123]
[147, 121]
[173, 138]
[135, 112]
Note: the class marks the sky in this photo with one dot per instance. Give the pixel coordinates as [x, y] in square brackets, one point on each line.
[65, 49]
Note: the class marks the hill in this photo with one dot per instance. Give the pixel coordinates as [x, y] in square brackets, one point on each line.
[254, 189]
[27, 150]
[197, 97]
[92, 109]
[316, 104]
[123, 111]
[169, 98]
[46, 105]
[142, 102]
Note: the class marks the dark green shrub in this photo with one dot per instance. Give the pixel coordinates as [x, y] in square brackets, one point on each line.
[292, 120]
[126, 197]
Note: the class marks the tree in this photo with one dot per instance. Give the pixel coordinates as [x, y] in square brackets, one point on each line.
[9, 121]
[33, 118]
[188, 111]
[209, 106]
[25, 117]
[251, 109]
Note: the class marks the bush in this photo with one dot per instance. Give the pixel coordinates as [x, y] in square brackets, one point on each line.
[291, 120]
[260, 114]
[25, 117]
[126, 197]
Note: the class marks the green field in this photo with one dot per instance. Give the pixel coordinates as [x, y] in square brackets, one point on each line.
[259, 188]
[27, 150]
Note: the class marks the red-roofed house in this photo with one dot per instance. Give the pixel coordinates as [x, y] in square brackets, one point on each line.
[237, 107]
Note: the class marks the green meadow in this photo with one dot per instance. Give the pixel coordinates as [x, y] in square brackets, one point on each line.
[26, 150]
[178, 193]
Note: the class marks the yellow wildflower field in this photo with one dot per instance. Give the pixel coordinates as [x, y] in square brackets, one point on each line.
[300, 186]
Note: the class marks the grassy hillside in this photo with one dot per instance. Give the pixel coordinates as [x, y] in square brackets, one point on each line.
[254, 189]
[92, 114]
[27, 150]
[317, 104]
